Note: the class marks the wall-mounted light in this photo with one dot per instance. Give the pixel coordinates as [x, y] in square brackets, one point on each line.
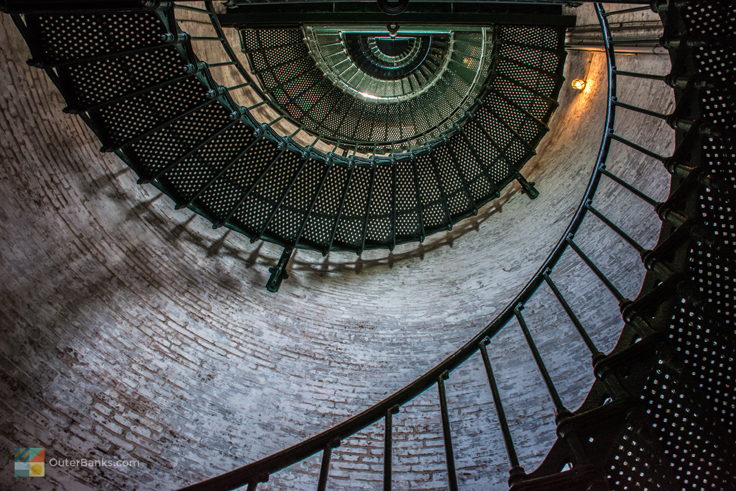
[581, 83]
[578, 84]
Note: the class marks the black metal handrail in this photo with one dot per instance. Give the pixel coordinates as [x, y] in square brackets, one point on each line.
[346, 152]
[259, 471]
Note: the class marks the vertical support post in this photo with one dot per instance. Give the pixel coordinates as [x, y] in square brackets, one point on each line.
[515, 471]
[527, 187]
[324, 468]
[278, 272]
[604, 279]
[560, 409]
[388, 448]
[451, 474]
[574, 318]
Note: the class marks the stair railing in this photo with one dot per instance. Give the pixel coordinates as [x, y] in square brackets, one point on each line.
[325, 442]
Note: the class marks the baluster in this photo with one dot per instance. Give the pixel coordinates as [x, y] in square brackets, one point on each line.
[516, 471]
[638, 148]
[627, 11]
[324, 468]
[648, 76]
[340, 208]
[304, 160]
[621, 299]
[368, 202]
[255, 183]
[574, 318]
[388, 448]
[463, 180]
[629, 187]
[451, 475]
[393, 203]
[328, 165]
[418, 198]
[560, 409]
[441, 188]
[641, 110]
[615, 228]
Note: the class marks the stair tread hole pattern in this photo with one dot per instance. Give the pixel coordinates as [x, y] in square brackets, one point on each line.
[297, 203]
[326, 207]
[379, 223]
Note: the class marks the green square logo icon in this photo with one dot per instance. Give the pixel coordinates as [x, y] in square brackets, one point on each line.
[29, 462]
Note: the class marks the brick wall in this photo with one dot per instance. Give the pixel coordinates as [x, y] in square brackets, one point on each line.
[133, 331]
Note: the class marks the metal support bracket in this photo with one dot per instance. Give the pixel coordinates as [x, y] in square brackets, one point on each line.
[527, 187]
[278, 272]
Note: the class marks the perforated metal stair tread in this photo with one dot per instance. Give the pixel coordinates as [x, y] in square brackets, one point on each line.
[150, 101]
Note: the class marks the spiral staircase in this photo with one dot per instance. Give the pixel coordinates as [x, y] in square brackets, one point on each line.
[300, 167]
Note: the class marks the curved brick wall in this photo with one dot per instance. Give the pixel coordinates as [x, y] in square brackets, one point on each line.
[133, 331]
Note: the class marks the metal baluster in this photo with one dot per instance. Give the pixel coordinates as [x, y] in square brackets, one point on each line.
[516, 470]
[556, 400]
[627, 11]
[324, 468]
[638, 147]
[393, 203]
[451, 474]
[648, 76]
[474, 153]
[418, 198]
[368, 203]
[388, 448]
[621, 299]
[304, 160]
[629, 187]
[340, 208]
[574, 318]
[641, 110]
[441, 188]
[242, 199]
[463, 179]
[615, 228]
[325, 173]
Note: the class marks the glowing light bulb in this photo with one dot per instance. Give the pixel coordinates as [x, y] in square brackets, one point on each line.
[578, 84]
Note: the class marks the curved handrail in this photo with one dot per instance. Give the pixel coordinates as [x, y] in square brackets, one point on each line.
[260, 470]
[352, 149]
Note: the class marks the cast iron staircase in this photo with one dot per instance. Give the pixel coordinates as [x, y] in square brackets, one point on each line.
[135, 79]
[661, 412]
